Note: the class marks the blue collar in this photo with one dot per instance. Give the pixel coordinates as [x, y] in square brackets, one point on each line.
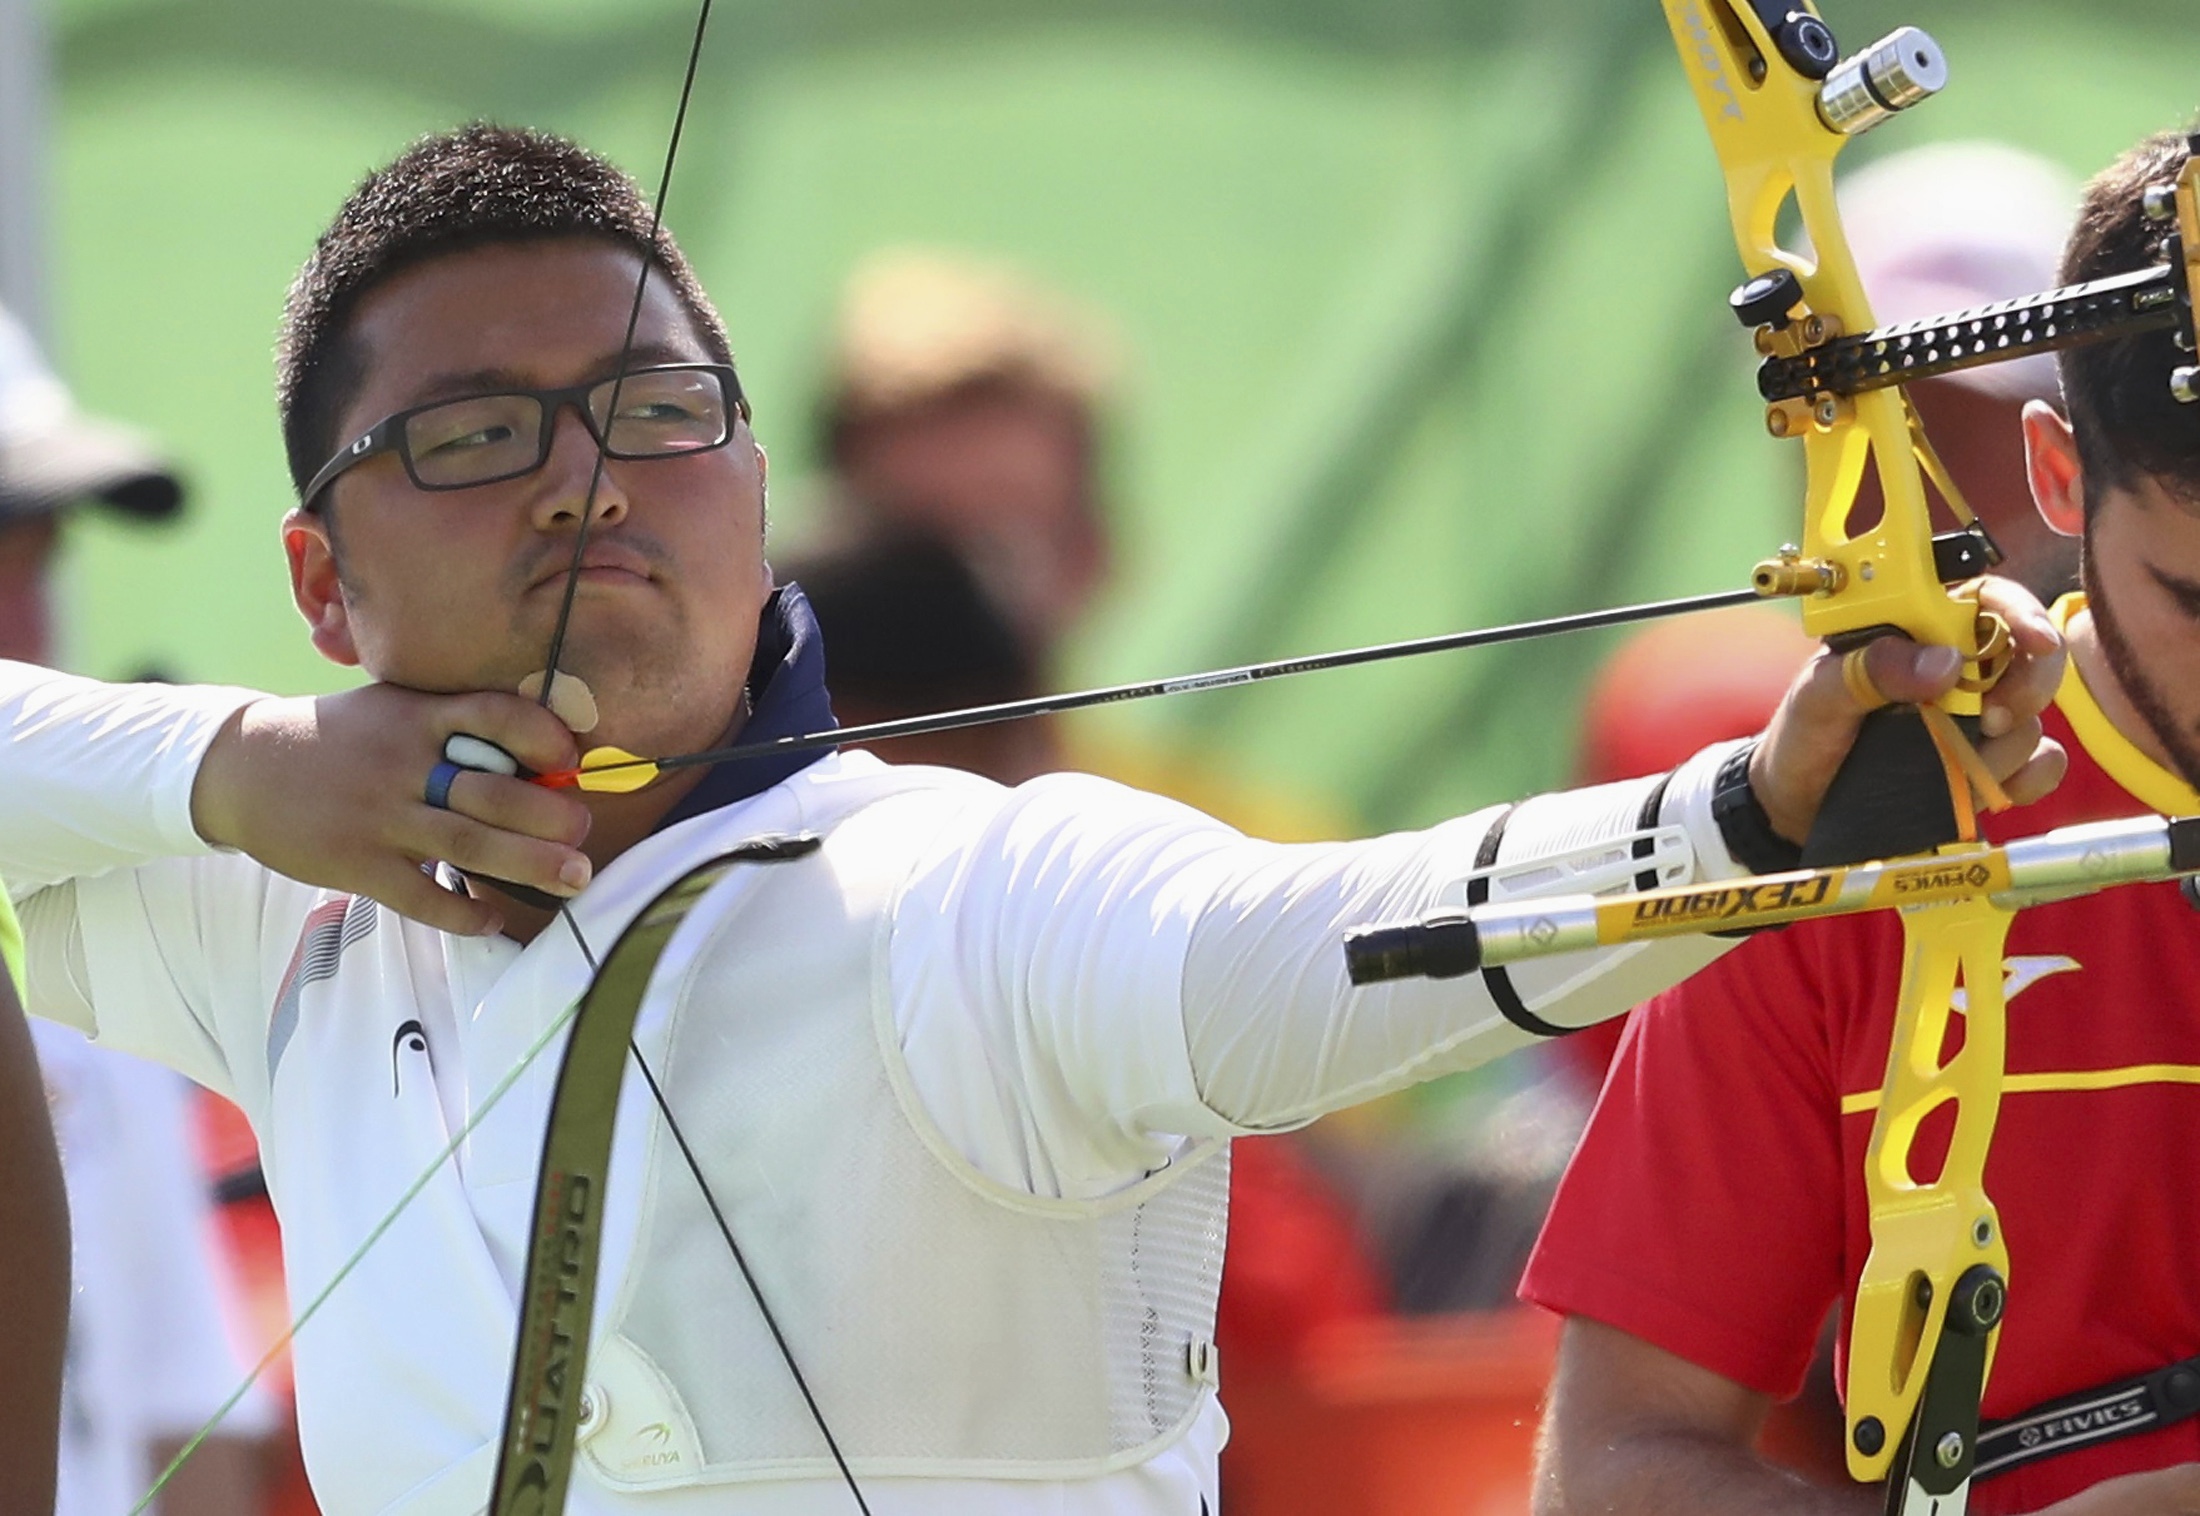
[787, 698]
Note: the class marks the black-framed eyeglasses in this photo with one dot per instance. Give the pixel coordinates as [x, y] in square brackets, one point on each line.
[665, 411]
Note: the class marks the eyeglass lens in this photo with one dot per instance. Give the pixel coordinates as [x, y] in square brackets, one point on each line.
[662, 413]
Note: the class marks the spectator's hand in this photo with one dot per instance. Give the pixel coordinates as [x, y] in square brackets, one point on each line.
[332, 791]
[1817, 722]
[2173, 1491]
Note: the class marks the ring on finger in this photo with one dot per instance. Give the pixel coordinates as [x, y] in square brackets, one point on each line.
[440, 778]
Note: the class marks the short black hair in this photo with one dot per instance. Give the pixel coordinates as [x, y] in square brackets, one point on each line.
[478, 186]
[2126, 421]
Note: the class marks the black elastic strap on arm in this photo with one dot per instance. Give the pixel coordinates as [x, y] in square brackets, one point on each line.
[1646, 824]
[2102, 1414]
[1502, 994]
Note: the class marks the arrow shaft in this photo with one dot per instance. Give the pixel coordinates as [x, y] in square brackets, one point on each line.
[1252, 673]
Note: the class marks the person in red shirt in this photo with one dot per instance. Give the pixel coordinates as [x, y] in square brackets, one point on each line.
[1716, 1209]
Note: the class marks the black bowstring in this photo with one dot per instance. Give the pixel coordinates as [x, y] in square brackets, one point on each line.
[618, 381]
[549, 685]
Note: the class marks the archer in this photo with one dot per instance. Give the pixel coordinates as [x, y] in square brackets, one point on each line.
[959, 1064]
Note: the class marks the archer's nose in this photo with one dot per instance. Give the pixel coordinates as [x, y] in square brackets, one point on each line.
[569, 474]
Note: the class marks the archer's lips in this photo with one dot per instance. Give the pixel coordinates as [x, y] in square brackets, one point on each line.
[600, 564]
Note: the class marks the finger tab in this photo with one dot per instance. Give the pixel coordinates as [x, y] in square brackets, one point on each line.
[479, 754]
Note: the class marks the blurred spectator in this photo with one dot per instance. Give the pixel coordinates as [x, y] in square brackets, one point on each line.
[965, 401]
[51, 457]
[149, 1358]
[1943, 228]
[969, 405]
[147, 1362]
[910, 630]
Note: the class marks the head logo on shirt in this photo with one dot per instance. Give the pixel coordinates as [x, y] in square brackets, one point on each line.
[410, 1034]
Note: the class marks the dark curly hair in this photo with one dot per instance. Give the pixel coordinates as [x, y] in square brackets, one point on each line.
[480, 185]
[2126, 421]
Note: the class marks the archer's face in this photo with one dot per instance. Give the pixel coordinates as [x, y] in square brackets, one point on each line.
[2142, 575]
[459, 590]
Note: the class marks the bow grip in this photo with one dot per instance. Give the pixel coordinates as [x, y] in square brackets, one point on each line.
[1890, 798]
[1896, 792]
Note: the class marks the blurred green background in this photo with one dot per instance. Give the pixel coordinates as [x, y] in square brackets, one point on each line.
[1424, 299]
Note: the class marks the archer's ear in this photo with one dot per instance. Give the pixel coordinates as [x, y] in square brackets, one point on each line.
[316, 588]
[2051, 464]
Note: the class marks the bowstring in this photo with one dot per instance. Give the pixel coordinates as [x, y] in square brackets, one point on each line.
[618, 381]
[551, 660]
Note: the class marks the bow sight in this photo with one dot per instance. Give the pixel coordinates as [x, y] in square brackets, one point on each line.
[1780, 103]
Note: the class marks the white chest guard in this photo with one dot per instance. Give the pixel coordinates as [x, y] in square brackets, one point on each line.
[949, 1326]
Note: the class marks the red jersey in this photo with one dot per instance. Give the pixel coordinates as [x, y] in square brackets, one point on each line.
[1716, 1207]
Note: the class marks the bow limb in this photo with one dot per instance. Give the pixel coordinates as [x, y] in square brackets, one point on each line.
[1775, 146]
[1929, 1300]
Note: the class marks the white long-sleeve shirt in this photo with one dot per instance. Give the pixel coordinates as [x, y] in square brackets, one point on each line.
[1083, 982]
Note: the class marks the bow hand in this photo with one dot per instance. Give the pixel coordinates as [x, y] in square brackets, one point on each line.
[1820, 722]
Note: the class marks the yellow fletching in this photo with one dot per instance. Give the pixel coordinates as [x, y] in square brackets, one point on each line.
[614, 771]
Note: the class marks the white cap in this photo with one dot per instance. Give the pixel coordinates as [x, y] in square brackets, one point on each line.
[52, 455]
[1959, 224]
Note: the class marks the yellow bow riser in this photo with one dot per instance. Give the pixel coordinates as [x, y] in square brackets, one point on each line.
[1776, 131]
[1927, 1234]
[1898, 828]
